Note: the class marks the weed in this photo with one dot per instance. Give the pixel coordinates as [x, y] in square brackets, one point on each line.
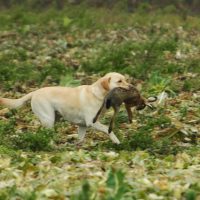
[14, 192]
[5, 149]
[110, 58]
[158, 83]
[35, 141]
[9, 72]
[141, 140]
[164, 147]
[191, 84]
[116, 188]
[68, 80]
[6, 132]
[120, 58]
[162, 122]
[183, 111]
[187, 86]
[55, 69]
[84, 194]
[190, 194]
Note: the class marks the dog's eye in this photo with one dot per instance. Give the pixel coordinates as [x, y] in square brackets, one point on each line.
[119, 81]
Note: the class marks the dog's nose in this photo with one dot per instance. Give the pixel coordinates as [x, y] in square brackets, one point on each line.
[128, 86]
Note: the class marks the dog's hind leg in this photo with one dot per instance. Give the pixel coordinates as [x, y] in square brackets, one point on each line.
[44, 111]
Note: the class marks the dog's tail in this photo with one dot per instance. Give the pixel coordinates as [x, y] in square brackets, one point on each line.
[15, 103]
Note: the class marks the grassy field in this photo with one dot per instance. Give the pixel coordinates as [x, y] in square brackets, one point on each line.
[159, 154]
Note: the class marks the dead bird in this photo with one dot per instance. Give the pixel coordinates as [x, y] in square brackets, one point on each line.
[130, 97]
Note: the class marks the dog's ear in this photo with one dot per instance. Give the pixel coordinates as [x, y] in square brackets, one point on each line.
[105, 83]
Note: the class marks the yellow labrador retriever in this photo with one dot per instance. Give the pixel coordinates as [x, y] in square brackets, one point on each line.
[78, 105]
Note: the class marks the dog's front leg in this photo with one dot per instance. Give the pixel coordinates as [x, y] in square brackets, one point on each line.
[100, 127]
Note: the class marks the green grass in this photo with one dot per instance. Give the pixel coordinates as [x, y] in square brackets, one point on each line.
[134, 58]
[38, 140]
[138, 55]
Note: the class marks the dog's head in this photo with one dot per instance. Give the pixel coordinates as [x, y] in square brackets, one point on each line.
[113, 80]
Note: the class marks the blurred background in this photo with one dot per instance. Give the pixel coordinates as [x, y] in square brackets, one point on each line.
[66, 42]
[193, 5]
